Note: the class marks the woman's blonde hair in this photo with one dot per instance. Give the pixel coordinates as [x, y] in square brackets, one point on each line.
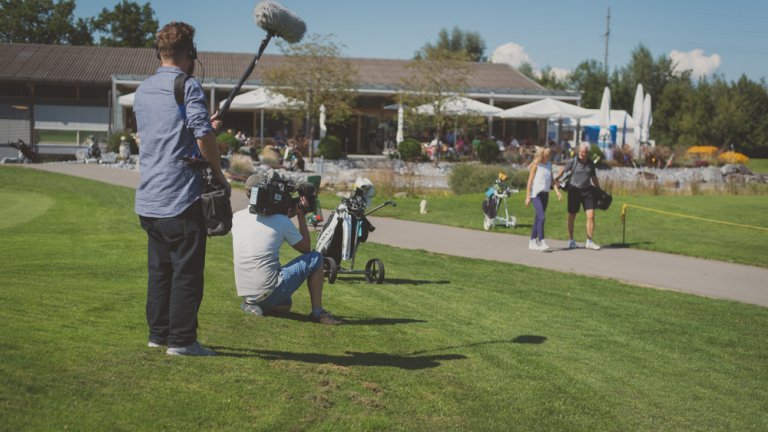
[542, 154]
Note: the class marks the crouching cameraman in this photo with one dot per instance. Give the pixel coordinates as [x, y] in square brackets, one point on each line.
[267, 287]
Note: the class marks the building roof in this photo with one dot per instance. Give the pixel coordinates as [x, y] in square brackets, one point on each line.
[97, 65]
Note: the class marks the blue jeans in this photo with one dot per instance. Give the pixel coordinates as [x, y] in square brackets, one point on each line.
[292, 275]
[540, 206]
[175, 264]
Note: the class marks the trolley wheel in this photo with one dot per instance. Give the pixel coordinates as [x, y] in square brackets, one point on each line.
[487, 223]
[513, 221]
[330, 269]
[374, 271]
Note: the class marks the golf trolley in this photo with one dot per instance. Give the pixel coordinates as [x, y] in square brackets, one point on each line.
[497, 195]
[345, 229]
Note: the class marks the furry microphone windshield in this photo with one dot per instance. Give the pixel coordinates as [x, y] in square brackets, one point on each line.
[279, 21]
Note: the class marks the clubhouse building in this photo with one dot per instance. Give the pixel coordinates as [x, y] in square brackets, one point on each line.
[55, 96]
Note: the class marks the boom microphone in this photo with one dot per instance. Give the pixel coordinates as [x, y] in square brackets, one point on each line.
[278, 21]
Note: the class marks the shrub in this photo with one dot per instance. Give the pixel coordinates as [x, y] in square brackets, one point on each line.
[488, 152]
[330, 148]
[409, 150]
[113, 143]
[702, 152]
[228, 140]
[240, 165]
[732, 157]
[473, 178]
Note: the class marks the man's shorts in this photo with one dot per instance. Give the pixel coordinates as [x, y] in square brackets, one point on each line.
[292, 275]
[578, 198]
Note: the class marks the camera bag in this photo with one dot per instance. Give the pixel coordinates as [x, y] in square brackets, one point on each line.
[217, 208]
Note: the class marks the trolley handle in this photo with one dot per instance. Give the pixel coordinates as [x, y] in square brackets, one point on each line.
[392, 203]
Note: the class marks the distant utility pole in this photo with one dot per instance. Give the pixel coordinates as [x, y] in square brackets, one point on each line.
[607, 35]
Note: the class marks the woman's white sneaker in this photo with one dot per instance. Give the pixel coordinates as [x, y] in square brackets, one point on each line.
[533, 244]
[592, 245]
[543, 245]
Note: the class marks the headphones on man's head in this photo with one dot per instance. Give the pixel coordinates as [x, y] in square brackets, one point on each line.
[192, 53]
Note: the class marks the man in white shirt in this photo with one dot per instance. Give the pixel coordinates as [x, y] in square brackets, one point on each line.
[267, 287]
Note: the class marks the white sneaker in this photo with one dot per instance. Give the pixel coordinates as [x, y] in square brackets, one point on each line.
[592, 245]
[533, 244]
[191, 350]
[152, 344]
[543, 245]
[572, 244]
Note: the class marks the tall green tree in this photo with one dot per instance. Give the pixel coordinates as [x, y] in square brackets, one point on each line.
[42, 22]
[470, 43]
[590, 79]
[317, 73]
[126, 25]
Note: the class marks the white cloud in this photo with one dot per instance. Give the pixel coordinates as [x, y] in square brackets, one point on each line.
[560, 73]
[696, 61]
[511, 54]
[515, 55]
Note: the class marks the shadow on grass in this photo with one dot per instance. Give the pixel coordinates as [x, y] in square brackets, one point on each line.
[351, 358]
[350, 321]
[387, 281]
[522, 339]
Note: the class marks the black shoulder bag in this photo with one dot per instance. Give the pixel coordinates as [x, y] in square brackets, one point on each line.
[217, 208]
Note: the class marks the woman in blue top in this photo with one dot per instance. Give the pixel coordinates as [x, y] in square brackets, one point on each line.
[537, 191]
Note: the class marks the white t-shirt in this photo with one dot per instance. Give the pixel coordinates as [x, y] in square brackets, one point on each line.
[256, 241]
[542, 180]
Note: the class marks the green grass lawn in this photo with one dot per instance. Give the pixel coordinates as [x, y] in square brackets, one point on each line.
[644, 230]
[758, 165]
[444, 344]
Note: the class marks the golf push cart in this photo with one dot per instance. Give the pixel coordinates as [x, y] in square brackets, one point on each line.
[345, 229]
[495, 196]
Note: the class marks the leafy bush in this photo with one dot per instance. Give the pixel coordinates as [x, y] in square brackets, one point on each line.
[113, 143]
[228, 140]
[488, 152]
[409, 150]
[732, 157]
[330, 148]
[473, 178]
[241, 165]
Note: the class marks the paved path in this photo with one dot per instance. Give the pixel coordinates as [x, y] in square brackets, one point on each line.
[653, 269]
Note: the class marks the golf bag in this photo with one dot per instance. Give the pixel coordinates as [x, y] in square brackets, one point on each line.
[343, 228]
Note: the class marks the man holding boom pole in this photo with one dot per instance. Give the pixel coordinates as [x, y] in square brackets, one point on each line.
[174, 131]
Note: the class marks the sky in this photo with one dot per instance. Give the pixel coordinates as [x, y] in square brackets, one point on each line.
[727, 38]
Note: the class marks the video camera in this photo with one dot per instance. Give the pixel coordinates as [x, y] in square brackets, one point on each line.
[277, 195]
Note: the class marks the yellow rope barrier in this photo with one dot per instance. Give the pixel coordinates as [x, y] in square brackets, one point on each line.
[626, 206]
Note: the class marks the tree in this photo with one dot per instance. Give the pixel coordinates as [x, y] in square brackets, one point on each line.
[470, 43]
[433, 79]
[42, 22]
[316, 73]
[590, 79]
[127, 25]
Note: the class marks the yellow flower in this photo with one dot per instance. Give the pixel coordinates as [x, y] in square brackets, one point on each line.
[733, 157]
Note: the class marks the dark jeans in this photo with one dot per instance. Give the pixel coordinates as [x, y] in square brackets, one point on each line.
[540, 206]
[175, 264]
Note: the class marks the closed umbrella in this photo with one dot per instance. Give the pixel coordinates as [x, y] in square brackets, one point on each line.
[637, 114]
[647, 119]
[604, 138]
[323, 128]
[399, 137]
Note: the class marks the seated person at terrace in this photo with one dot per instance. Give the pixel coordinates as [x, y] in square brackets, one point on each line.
[265, 286]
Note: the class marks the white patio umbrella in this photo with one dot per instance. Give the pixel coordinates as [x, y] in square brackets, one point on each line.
[637, 114]
[126, 100]
[645, 131]
[546, 108]
[604, 137]
[400, 123]
[323, 129]
[461, 106]
[262, 99]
